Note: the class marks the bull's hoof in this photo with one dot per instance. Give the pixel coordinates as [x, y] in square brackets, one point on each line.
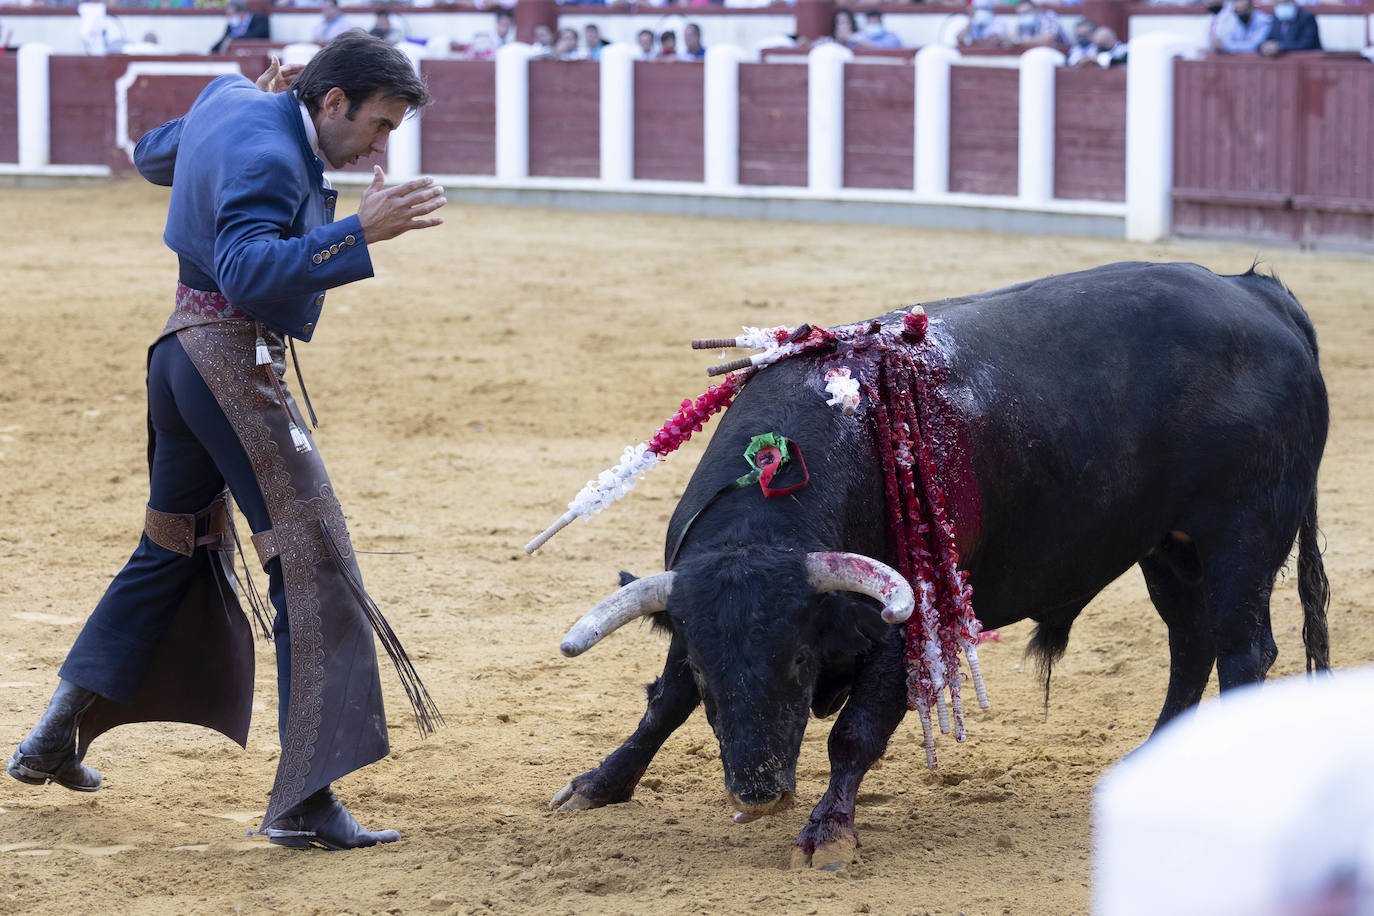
[569, 799]
[831, 856]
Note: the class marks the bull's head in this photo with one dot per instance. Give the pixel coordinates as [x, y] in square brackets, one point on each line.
[760, 639]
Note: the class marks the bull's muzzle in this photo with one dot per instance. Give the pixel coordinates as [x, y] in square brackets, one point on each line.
[746, 811]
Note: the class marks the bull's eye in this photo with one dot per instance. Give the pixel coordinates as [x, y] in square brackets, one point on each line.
[801, 666]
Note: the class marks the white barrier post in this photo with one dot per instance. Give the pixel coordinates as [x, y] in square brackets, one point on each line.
[825, 116]
[513, 112]
[720, 117]
[403, 146]
[618, 113]
[931, 146]
[1035, 133]
[35, 129]
[1150, 134]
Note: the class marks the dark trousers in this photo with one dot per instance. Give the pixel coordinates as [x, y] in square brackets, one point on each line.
[196, 453]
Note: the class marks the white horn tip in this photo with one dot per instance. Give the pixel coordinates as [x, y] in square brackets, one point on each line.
[571, 649]
[897, 614]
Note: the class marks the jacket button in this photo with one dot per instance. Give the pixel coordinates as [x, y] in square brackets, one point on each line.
[317, 258]
[333, 249]
[319, 300]
[349, 240]
[325, 255]
[307, 327]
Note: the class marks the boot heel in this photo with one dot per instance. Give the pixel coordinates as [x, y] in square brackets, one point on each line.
[26, 775]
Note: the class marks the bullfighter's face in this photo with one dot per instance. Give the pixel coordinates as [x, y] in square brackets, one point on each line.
[347, 135]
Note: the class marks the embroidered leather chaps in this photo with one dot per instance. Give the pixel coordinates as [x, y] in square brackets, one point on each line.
[202, 670]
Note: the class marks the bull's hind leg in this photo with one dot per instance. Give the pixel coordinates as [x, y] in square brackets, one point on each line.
[672, 697]
[1238, 581]
[876, 706]
[1174, 577]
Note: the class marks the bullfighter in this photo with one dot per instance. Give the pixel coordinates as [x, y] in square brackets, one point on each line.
[252, 223]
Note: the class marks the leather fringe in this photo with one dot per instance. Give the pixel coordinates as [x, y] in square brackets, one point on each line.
[248, 588]
[300, 380]
[427, 715]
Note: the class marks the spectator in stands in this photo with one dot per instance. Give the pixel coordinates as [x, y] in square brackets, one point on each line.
[332, 23]
[243, 23]
[1082, 48]
[875, 34]
[667, 45]
[592, 41]
[505, 27]
[982, 26]
[383, 27]
[482, 47]
[1107, 50]
[843, 27]
[565, 46]
[1035, 27]
[692, 48]
[1294, 29]
[543, 41]
[645, 40]
[1240, 29]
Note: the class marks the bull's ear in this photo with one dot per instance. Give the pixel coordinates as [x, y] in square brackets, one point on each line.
[626, 578]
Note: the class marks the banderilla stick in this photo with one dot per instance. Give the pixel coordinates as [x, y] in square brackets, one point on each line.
[723, 368]
[716, 343]
[564, 521]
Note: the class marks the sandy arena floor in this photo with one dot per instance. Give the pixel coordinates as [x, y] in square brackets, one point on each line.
[466, 393]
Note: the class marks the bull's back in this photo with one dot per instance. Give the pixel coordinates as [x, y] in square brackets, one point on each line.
[1096, 409]
[1113, 405]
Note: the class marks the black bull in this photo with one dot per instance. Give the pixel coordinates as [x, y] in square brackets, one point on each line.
[1157, 415]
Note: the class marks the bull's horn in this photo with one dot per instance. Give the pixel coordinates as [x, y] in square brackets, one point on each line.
[833, 571]
[638, 599]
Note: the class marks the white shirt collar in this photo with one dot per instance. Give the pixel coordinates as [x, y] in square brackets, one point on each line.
[314, 139]
[310, 134]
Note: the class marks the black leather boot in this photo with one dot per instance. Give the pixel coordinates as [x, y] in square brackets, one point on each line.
[48, 754]
[323, 822]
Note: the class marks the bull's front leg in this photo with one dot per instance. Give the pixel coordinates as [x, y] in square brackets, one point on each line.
[876, 705]
[672, 697]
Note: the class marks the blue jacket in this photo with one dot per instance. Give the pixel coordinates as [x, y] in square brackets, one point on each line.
[249, 209]
[1296, 34]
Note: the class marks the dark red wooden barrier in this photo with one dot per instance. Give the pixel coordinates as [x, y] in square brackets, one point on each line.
[565, 118]
[879, 136]
[772, 124]
[1234, 146]
[669, 108]
[82, 102]
[984, 113]
[1336, 172]
[1277, 149]
[9, 107]
[458, 129]
[1090, 133]
[81, 94]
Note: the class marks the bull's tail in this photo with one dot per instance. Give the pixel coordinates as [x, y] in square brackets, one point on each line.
[1313, 591]
[1047, 644]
